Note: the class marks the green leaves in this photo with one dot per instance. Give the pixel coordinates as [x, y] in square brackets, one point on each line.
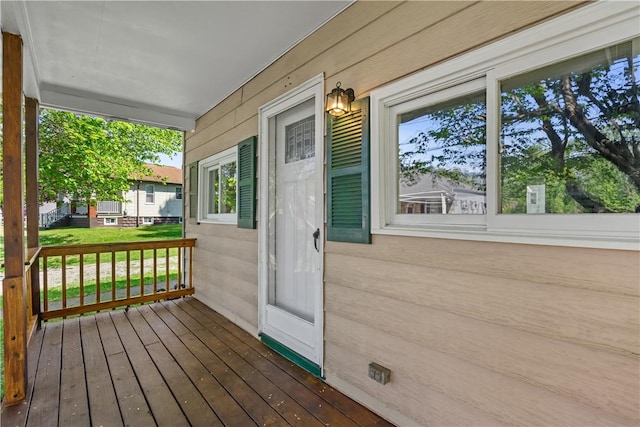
[91, 157]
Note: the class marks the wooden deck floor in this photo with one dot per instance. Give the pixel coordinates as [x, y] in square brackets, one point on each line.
[174, 363]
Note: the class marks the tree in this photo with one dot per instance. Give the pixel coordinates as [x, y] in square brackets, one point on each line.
[89, 157]
[573, 126]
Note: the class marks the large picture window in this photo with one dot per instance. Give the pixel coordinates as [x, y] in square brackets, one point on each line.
[532, 139]
[570, 134]
[217, 199]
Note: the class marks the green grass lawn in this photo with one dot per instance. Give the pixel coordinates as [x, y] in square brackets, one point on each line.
[73, 236]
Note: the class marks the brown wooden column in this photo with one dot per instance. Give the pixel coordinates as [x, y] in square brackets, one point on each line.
[13, 286]
[31, 113]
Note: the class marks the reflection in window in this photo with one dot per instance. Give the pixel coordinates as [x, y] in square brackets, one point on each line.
[570, 136]
[442, 157]
[222, 189]
[228, 188]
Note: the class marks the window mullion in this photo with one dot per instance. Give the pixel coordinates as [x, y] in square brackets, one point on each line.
[493, 148]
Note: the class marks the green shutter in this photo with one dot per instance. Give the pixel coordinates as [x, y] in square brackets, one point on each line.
[247, 183]
[348, 202]
[193, 190]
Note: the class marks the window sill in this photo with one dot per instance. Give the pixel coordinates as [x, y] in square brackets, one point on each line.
[529, 237]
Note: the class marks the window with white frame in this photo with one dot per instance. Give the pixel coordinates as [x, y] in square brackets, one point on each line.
[150, 196]
[110, 221]
[531, 139]
[218, 179]
[178, 193]
[147, 220]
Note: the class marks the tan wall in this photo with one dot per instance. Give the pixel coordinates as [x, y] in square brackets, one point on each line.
[474, 333]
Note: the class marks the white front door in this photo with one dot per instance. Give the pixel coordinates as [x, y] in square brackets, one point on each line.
[291, 243]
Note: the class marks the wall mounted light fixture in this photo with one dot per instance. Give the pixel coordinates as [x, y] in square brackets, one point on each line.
[339, 100]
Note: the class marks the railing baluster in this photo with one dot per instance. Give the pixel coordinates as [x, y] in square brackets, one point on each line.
[180, 252]
[128, 274]
[81, 280]
[45, 285]
[113, 276]
[190, 266]
[98, 292]
[166, 267]
[64, 281]
[155, 270]
[141, 271]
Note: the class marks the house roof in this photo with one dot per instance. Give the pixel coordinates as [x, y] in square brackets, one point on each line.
[163, 174]
[163, 63]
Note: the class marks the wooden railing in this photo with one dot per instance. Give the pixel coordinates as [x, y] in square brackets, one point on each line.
[78, 279]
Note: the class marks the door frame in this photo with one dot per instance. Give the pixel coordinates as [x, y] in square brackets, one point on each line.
[313, 88]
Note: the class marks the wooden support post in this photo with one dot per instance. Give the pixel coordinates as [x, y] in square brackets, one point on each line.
[13, 286]
[32, 113]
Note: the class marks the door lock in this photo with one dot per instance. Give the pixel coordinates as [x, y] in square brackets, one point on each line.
[316, 236]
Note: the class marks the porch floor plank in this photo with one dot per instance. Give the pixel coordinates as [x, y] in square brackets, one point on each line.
[103, 404]
[74, 402]
[286, 406]
[173, 363]
[133, 406]
[46, 392]
[163, 405]
[358, 413]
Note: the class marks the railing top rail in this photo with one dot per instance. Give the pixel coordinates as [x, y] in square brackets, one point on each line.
[92, 248]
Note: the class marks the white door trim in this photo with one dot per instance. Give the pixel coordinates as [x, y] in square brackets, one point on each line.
[313, 88]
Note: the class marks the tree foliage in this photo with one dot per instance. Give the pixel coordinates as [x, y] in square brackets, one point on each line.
[573, 127]
[88, 157]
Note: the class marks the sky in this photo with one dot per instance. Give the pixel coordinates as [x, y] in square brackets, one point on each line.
[176, 161]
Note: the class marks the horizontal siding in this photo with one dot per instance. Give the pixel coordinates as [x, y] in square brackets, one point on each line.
[475, 333]
[416, 400]
[602, 379]
[510, 400]
[229, 283]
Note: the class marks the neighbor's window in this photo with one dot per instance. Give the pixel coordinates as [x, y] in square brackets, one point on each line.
[218, 186]
[570, 134]
[110, 221]
[147, 220]
[179, 193]
[150, 194]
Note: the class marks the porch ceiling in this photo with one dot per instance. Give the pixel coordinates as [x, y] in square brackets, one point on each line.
[159, 62]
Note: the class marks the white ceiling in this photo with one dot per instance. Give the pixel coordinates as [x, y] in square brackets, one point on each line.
[158, 62]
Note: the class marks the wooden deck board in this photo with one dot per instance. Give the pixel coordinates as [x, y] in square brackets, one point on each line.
[74, 403]
[361, 415]
[46, 392]
[287, 407]
[103, 404]
[163, 405]
[173, 363]
[133, 405]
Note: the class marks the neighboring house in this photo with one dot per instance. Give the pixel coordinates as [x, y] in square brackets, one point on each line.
[483, 319]
[435, 195]
[151, 200]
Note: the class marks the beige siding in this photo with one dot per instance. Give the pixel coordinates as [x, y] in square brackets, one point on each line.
[475, 333]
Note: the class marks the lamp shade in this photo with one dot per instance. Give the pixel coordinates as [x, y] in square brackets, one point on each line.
[339, 101]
